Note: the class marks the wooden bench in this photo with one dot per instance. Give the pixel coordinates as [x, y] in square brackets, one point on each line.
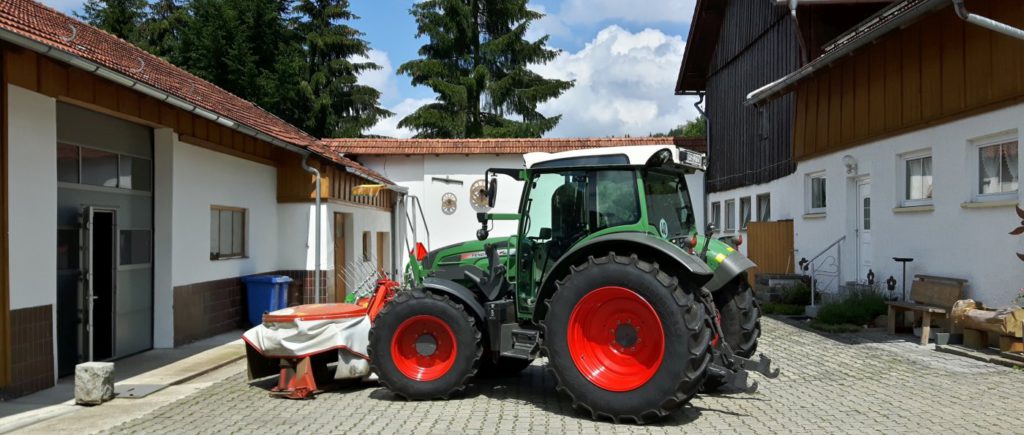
[930, 296]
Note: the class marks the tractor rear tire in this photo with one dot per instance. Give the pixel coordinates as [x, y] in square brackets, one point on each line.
[625, 340]
[424, 346]
[741, 324]
[741, 316]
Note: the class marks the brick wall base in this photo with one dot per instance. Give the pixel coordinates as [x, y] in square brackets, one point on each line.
[31, 351]
[209, 308]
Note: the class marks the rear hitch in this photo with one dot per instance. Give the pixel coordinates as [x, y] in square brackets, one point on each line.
[735, 380]
[763, 365]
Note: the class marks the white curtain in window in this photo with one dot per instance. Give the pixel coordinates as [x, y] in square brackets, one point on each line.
[989, 167]
[919, 178]
[1010, 169]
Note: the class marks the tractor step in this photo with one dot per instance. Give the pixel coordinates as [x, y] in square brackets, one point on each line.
[523, 343]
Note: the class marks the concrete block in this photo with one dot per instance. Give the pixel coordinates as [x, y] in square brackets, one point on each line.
[94, 383]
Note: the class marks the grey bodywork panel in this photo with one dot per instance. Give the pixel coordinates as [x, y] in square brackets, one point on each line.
[731, 267]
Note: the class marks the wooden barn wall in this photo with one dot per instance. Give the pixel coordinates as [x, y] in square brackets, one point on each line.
[296, 185]
[55, 79]
[748, 147]
[934, 71]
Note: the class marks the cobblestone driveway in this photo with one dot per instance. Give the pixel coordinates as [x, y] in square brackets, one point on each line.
[864, 383]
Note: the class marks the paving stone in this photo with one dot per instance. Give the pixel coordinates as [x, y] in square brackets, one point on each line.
[857, 383]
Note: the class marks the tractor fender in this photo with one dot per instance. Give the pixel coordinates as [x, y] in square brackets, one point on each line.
[456, 291]
[664, 252]
[730, 267]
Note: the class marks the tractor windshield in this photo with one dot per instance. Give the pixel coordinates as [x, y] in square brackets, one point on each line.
[668, 204]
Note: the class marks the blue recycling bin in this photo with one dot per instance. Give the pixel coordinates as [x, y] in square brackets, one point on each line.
[265, 293]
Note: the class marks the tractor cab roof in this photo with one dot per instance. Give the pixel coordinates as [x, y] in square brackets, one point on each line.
[642, 155]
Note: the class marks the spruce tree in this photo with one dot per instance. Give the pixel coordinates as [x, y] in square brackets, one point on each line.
[120, 18]
[338, 106]
[476, 59]
[162, 27]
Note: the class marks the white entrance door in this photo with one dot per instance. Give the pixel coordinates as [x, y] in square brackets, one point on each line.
[863, 230]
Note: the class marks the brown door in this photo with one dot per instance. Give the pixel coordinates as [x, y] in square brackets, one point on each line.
[380, 252]
[339, 257]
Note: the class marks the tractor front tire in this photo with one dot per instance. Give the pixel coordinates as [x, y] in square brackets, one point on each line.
[625, 340]
[741, 324]
[424, 346]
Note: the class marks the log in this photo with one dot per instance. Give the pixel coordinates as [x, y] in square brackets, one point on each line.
[1007, 321]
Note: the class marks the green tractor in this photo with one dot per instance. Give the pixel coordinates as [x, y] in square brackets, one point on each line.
[607, 277]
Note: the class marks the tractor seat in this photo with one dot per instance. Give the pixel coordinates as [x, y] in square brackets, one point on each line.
[315, 312]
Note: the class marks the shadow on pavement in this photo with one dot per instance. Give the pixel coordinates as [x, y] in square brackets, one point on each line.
[124, 368]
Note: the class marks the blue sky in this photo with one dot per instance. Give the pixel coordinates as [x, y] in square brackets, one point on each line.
[624, 56]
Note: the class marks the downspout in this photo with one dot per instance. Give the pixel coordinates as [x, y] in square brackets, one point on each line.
[316, 244]
[804, 55]
[988, 23]
[707, 146]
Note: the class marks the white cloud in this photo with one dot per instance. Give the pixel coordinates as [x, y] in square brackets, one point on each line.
[637, 11]
[384, 78]
[389, 127]
[550, 24]
[625, 85]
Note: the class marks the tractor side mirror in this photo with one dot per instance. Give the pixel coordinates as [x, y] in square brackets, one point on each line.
[545, 234]
[709, 230]
[492, 192]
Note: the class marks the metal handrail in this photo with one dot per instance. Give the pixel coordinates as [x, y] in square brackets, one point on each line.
[823, 251]
[839, 265]
[411, 221]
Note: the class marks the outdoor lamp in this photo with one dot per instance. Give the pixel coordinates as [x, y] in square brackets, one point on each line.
[891, 285]
[871, 277]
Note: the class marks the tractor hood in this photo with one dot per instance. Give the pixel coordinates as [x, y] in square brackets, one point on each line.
[466, 253]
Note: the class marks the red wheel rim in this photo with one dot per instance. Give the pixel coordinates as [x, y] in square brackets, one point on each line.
[423, 348]
[616, 339]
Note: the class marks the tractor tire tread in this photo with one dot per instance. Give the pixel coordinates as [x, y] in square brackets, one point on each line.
[698, 344]
[417, 294]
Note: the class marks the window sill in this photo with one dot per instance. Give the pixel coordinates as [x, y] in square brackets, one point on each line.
[990, 204]
[820, 215]
[244, 257]
[914, 209]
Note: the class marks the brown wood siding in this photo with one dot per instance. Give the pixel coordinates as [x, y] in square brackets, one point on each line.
[750, 145]
[294, 184]
[933, 71]
[55, 79]
[770, 247]
[5, 306]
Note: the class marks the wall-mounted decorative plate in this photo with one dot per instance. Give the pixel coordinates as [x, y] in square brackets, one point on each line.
[478, 194]
[449, 203]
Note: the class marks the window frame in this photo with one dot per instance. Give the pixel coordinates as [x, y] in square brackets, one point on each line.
[750, 212]
[976, 145]
[716, 215]
[809, 194]
[757, 206]
[217, 256]
[730, 218]
[905, 159]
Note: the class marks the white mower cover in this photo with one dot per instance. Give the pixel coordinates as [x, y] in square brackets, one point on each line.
[301, 338]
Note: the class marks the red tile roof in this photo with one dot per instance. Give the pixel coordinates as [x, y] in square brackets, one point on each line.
[337, 157]
[497, 146]
[54, 29]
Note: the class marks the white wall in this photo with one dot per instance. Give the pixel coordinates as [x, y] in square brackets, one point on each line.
[782, 198]
[203, 178]
[164, 143]
[32, 154]
[32, 201]
[418, 173]
[952, 240]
